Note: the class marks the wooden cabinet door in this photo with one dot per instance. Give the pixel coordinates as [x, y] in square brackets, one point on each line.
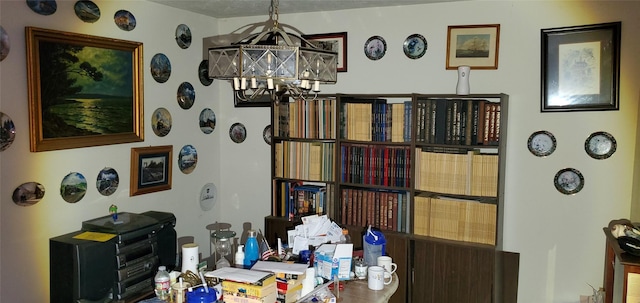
[449, 272]
[397, 248]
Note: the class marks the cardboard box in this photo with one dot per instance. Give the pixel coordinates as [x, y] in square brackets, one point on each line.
[331, 260]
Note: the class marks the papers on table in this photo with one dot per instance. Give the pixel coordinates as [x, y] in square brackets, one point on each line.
[314, 230]
[281, 267]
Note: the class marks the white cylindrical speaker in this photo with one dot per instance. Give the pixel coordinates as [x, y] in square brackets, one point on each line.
[190, 257]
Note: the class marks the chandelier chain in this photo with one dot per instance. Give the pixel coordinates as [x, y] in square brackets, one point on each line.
[273, 12]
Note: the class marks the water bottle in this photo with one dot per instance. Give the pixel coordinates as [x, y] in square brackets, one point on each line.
[162, 283]
[374, 246]
[251, 250]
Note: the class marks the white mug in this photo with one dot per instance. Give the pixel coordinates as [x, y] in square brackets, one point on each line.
[387, 263]
[377, 278]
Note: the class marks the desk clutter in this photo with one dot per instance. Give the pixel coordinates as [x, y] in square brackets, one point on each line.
[315, 267]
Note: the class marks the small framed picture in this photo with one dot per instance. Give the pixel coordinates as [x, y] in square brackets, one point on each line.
[150, 169]
[580, 67]
[473, 45]
[336, 42]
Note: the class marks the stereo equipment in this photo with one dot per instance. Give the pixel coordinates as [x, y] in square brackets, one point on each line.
[117, 269]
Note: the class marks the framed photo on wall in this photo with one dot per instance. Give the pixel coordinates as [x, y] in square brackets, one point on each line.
[475, 46]
[83, 90]
[336, 42]
[150, 169]
[581, 67]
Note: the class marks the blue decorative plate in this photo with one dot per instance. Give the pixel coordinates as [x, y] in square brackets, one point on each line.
[183, 36]
[415, 46]
[124, 20]
[160, 68]
[187, 159]
[186, 95]
[207, 121]
[87, 11]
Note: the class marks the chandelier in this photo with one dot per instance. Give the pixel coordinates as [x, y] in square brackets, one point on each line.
[273, 62]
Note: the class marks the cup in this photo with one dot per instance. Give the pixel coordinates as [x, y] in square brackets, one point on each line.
[360, 269]
[199, 295]
[178, 292]
[377, 278]
[387, 263]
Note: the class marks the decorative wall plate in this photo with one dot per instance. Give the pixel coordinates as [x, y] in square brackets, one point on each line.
[186, 95]
[415, 46]
[237, 132]
[569, 181]
[600, 145]
[87, 11]
[203, 73]
[375, 47]
[161, 122]
[160, 68]
[7, 131]
[124, 20]
[183, 36]
[28, 194]
[187, 159]
[43, 7]
[266, 134]
[5, 45]
[73, 187]
[207, 121]
[107, 181]
[541, 143]
[208, 196]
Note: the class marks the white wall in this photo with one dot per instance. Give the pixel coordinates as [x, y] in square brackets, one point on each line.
[559, 237]
[26, 230]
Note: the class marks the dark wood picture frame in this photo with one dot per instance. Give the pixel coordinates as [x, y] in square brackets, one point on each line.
[580, 68]
[150, 169]
[333, 42]
[476, 46]
[80, 87]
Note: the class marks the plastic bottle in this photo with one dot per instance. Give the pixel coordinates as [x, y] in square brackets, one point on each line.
[251, 250]
[162, 283]
[345, 237]
[374, 245]
[239, 260]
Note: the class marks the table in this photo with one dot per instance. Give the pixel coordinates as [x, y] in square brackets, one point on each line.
[629, 263]
[357, 291]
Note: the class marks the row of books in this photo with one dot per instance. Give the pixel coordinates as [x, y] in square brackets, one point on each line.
[294, 199]
[380, 208]
[376, 120]
[458, 121]
[461, 172]
[375, 164]
[304, 160]
[311, 119]
[455, 219]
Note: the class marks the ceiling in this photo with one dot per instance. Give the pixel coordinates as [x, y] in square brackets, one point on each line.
[244, 8]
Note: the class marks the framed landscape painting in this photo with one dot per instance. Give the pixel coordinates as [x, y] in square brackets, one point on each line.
[476, 46]
[150, 169]
[83, 90]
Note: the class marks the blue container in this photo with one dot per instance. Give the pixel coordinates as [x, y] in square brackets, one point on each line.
[374, 245]
[198, 295]
[251, 250]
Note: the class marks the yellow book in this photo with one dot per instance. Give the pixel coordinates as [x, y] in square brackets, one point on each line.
[235, 298]
[253, 290]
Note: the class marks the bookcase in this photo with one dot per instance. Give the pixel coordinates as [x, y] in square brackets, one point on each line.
[426, 169]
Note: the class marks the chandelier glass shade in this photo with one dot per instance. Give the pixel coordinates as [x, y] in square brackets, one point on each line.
[273, 62]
